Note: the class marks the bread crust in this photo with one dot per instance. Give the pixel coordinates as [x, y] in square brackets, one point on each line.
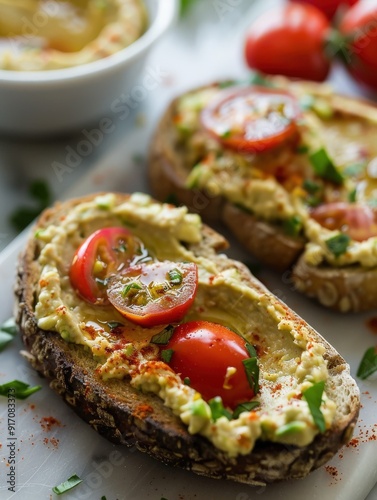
[127, 416]
[264, 240]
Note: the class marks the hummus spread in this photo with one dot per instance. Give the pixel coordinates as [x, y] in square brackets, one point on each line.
[290, 360]
[281, 185]
[54, 34]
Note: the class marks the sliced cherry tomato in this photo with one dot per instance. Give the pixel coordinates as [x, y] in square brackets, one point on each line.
[211, 356]
[329, 7]
[289, 40]
[358, 221]
[155, 293]
[252, 119]
[103, 253]
[360, 50]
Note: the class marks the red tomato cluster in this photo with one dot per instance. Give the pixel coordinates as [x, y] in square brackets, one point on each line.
[298, 40]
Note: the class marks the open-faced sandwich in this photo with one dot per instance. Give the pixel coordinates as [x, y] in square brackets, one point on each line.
[291, 169]
[157, 341]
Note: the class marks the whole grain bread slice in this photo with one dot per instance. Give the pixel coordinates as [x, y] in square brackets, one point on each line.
[264, 240]
[127, 416]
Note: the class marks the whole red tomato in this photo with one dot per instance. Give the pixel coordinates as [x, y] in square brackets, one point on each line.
[359, 52]
[329, 7]
[289, 40]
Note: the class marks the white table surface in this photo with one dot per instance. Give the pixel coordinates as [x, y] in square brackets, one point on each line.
[204, 47]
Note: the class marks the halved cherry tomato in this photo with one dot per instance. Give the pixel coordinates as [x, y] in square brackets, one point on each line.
[211, 356]
[358, 221]
[252, 119]
[103, 253]
[289, 40]
[360, 50]
[156, 293]
[329, 7]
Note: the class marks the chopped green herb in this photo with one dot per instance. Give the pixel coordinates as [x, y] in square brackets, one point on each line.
[338, 244]
[292, 226]
[8, 330]
[166, 355]
[252, 373]
[128, 289]
[18, 389]
[163, 337]
[313, 397]
[175, 276]
[290, 428]
[368, 364]
[310, 186]
[114, 324]
[72, 482]
[217, 409]
[313, 201]
[324, 166]
[251, 350]
[187, 381]
[226, 134]
[248, 406]
[352, 196]
[103, 497]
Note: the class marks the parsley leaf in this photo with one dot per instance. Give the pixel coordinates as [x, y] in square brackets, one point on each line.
[164, 336]
[217, 409]
[72, 482]
[248, 406]
[252, 372]
[368, 364]
[292, 226]
[8, 331]
[313, 397]
[324, 166]
[338, 244]
[18, 389]
[166, 355]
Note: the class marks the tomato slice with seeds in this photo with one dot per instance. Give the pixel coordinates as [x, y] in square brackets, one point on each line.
[358, 221]
[103, 253]
[252, 119]
[156, 293]
[210, 356]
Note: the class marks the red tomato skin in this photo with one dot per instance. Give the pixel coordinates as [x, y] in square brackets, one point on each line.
[359, 25]
[155, 315]
[289, 40]
[202, 352]
[358, 221]
[239, 143]
[81, 270]
[329, 7]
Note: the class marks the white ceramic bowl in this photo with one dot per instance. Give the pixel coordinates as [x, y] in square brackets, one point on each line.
[58, 101]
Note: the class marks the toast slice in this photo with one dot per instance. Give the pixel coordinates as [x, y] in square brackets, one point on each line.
[339, 285]
[124, 414]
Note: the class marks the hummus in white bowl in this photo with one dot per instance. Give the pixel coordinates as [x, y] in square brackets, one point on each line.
[54, 34]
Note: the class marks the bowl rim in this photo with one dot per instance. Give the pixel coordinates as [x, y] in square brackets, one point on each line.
[166, 13]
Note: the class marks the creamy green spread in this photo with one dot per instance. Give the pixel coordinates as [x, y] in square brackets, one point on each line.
[281, 185]
[290, 360]
[48, 35]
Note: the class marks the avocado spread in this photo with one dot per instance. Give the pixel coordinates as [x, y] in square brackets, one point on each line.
[290, 360]
[332, 160]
